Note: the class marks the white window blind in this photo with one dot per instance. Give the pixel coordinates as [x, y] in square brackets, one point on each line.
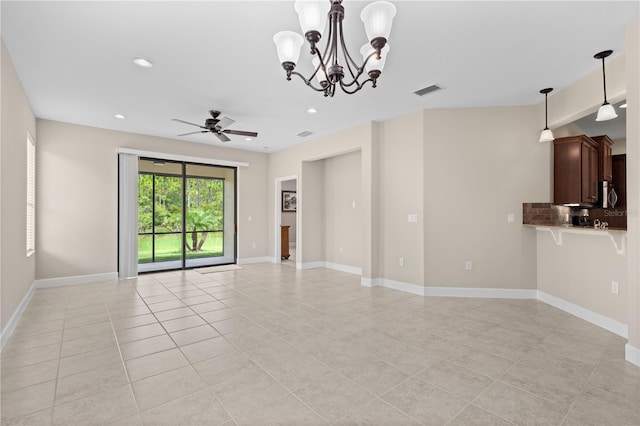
[31, 195]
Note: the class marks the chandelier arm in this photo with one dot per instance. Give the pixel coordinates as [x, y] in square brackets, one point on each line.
[361, 70]
[359, 86]
[307, 82]
[321, 65]
[349, 60]
[326, 48]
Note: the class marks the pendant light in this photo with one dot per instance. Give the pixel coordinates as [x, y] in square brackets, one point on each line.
[546, 135]
[606, 111]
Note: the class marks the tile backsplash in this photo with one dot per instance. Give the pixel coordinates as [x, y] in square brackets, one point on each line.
[545, 214]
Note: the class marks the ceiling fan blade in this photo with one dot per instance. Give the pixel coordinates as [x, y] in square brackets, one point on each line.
[223, 138]
[225, 122]
[186, 122]
[193, 133]
[241, 133]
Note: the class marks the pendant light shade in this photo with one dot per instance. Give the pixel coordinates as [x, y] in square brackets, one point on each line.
[546, 135]
[606, 111]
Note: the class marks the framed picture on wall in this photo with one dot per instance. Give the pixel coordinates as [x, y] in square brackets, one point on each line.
[289, 201]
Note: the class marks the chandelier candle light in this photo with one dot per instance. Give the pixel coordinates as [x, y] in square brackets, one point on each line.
[328, 71]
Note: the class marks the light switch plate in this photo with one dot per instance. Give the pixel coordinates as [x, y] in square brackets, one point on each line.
[510, 218]
[412, 218]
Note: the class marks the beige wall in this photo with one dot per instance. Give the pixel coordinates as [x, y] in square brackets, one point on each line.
[633, 181]
[312, 213]
[78, 196]
[399, 175]
[17, 272]
[306, 162]
[581, 270]
[343, 210]
[480, 165]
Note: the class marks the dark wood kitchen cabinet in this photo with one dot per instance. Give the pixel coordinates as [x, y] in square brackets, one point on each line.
[605, 171]
[575, 170]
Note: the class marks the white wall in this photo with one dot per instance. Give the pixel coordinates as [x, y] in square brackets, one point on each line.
[77, 198]
[17, 272]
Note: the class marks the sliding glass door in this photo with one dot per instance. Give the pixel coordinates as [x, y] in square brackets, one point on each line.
[186, 215]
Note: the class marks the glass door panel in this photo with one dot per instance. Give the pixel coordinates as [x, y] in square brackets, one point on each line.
[210, 215]
[201, 233]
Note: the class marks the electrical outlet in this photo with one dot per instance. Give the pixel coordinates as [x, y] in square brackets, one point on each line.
[401, 261]
[614, 287]
[340, 249]
[253, 245]
[468, 265]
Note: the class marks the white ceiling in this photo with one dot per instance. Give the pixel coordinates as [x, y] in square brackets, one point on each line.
[75, 61]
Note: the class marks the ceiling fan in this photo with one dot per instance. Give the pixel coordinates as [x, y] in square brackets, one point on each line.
[217, 126]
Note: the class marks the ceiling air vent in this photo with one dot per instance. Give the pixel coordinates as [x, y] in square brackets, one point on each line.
[427, 90]
[305, 134]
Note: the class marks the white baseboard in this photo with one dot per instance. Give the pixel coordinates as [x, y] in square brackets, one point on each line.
[483, 293]
[632, 354]
[344, 268]
[399, 285]
[370, 282]
[310, 265]
[491, 293]
[13, 321]
[594, 318]
[249, 260]
[330, 265]
[76, 280]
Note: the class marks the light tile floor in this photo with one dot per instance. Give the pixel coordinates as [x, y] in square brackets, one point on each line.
[269, 344]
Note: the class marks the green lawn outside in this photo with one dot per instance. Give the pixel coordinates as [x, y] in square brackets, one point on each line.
[169, 247]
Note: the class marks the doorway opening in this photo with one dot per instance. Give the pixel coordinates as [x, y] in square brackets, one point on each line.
[186, 215]
[287, 220]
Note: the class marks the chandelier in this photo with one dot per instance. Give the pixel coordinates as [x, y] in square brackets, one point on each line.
[329, 71]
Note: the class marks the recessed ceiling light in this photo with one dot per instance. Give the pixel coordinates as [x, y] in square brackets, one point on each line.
[248, 139]
[312, 110]
[142, 62]
[624, 105]
[120, 116]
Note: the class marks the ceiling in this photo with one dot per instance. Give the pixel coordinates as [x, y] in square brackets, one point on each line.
[75, 62]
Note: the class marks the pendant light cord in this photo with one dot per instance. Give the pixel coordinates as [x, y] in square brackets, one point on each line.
[546, 125]
[604, 83]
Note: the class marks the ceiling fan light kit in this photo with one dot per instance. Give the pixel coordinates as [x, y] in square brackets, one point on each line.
[606, 111]
[328, 71]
